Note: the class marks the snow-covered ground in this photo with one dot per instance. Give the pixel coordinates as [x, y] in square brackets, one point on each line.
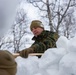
[55, 61]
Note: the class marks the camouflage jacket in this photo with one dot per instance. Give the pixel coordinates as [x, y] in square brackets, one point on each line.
[44, 41]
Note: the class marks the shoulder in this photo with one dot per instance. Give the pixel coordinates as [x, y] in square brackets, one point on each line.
[54, 35]
[53, 32]
[50, 32]
[46, 31]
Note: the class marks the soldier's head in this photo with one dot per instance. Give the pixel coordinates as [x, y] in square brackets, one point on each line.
[8, 66]
[36, 27]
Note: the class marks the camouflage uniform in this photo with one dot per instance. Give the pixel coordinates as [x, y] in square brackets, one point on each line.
[42, 42]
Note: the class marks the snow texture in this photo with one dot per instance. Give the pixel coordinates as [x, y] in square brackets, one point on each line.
[55, 61]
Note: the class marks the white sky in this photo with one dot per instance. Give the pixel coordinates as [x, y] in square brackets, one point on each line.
[30, 10]
[33, 13]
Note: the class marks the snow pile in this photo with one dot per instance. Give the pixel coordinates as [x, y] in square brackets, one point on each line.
[55, 61]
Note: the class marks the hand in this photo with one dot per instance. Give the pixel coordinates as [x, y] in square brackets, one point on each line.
[24, 53]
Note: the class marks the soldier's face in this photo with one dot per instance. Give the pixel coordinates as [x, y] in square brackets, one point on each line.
[37, 31]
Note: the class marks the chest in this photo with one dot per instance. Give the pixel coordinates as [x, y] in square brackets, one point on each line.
[41, 39]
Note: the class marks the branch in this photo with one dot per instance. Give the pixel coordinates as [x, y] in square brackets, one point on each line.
[64, 14]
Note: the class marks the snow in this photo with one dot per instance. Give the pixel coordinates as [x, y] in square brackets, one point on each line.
[55, 61]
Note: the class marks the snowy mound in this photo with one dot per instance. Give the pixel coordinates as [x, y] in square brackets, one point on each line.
[55, 61]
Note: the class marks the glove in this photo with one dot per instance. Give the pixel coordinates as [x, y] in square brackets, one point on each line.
[24, 53]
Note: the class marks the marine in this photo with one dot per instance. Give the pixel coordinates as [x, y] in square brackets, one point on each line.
[43, 39]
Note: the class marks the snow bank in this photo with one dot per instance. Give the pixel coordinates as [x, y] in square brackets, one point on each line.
[55, 61]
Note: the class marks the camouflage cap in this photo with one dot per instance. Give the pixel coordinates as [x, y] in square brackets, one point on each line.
[35, 24]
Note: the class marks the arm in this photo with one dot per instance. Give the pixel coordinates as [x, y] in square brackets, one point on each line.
[40, 47]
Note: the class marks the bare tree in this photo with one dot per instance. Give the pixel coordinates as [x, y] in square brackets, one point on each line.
[1, 42]
[54, 10]
[44, 7]
[69, 24]
[19, 29]
[5, 42]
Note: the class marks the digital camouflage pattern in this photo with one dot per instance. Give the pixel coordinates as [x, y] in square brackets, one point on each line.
[44, 41]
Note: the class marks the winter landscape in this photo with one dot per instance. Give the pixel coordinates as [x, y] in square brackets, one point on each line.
[15, 18]
[55, 61]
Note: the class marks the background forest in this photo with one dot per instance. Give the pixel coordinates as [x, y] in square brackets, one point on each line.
[16, 16]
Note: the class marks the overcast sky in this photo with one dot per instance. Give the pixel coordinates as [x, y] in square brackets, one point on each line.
[30, 10]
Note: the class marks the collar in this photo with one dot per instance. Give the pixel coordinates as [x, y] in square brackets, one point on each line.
[40, 36]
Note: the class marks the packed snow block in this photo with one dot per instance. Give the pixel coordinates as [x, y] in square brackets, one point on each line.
[49, 62]
[38, 74]
[62, 42]
[54, 61]
[51, 57]
[67, 65]
[27, 66]
[72, 45]
[52, 71]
